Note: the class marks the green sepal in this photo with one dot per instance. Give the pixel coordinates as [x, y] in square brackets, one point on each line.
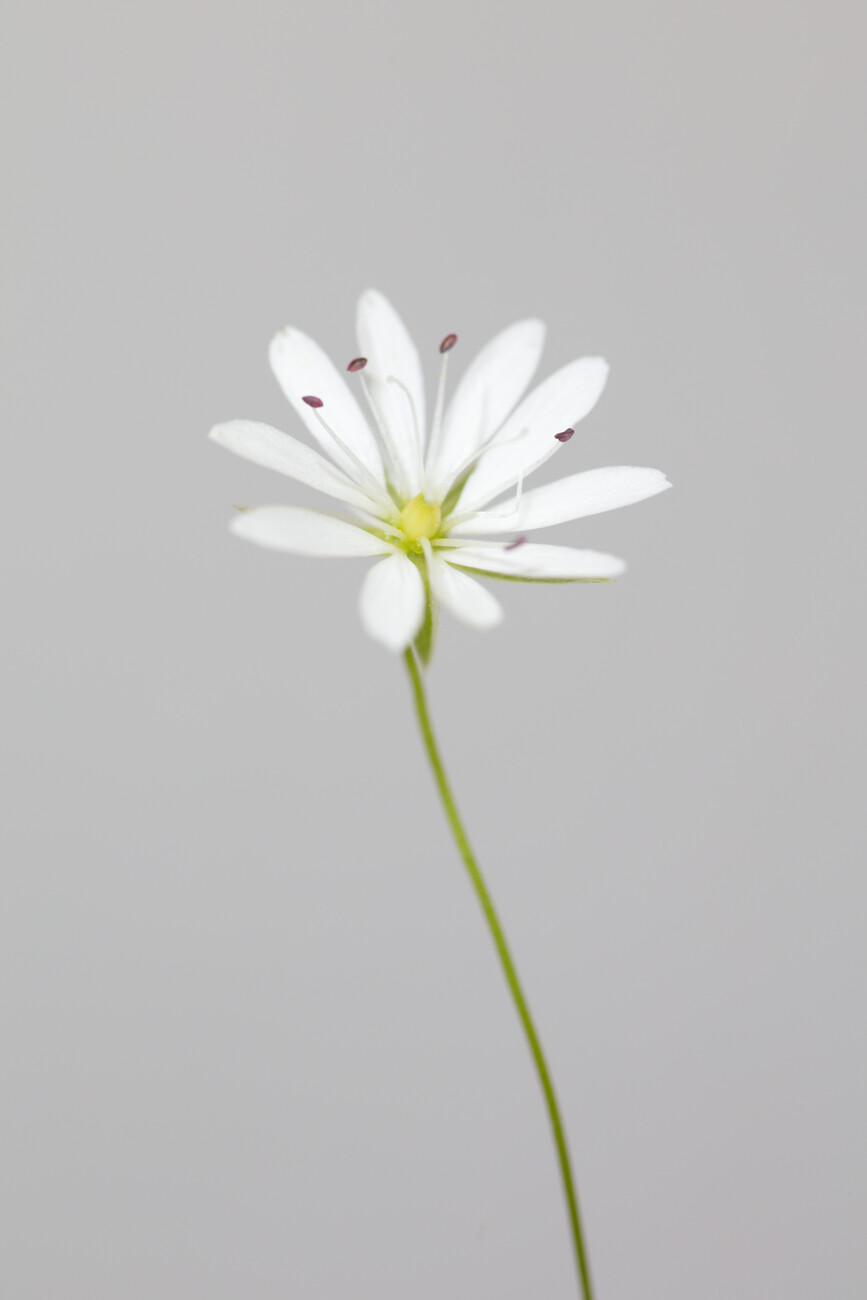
[454, 493]
[516, 577]
[393, 493]
[379, 533]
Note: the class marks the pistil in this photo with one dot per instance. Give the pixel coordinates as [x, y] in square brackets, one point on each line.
[420, 519]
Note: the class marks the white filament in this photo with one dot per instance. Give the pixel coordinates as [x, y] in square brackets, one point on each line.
[436, 427]
[371, 486]
[393, 379]
[509, 518]
[390, 458]
[442, 488]
[374, 521]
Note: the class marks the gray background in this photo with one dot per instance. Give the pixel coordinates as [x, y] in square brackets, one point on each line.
[255, 1041]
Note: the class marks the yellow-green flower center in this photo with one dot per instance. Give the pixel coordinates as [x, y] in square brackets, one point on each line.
[420, 518]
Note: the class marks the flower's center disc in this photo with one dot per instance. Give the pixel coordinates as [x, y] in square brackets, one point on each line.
[419, 518]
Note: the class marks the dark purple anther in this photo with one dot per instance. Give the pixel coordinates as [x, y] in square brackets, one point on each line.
[357, 364]
[317, 401]
[561, 437]
[513, 546]
[448, 342]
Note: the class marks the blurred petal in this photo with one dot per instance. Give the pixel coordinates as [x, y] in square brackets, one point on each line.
[467, 599]
[392, 602]
[305, 532]
[589, 493]
[280, 451]
[488, 390]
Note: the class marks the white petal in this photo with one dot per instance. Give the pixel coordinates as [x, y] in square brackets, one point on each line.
[303, 370]
[384, 340]
[488, 390]
[467, 599]
[305, 532]
[528, 436]
[266, 446]
[392, 602]
[532, 561]
[589, 493]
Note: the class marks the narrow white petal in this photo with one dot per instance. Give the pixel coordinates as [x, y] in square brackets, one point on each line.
[588, 493]
[385, 341]
[303, 370]
[305, 532]
[488, 390]
[467, 599]
[528, 436]
[272, 449]
[392, 602]
[544, 563]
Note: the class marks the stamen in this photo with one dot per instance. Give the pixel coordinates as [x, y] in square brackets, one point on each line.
[374, 521]
[511, 517]
[436, 427]
[565, 435]
[540, 461]
[371, 486]
[393, 379]
[513, 546]
[357, 364]
[386, 448]
[469, 461]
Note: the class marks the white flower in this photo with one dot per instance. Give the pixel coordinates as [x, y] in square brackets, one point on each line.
[424, 504]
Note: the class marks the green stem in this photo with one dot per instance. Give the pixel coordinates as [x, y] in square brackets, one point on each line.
[508, 968]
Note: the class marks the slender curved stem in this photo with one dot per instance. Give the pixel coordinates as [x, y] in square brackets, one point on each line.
[508, 965]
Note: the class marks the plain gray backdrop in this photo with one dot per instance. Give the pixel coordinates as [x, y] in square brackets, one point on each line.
[255, 1042]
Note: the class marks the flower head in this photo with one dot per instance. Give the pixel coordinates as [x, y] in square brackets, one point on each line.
[430, 505]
